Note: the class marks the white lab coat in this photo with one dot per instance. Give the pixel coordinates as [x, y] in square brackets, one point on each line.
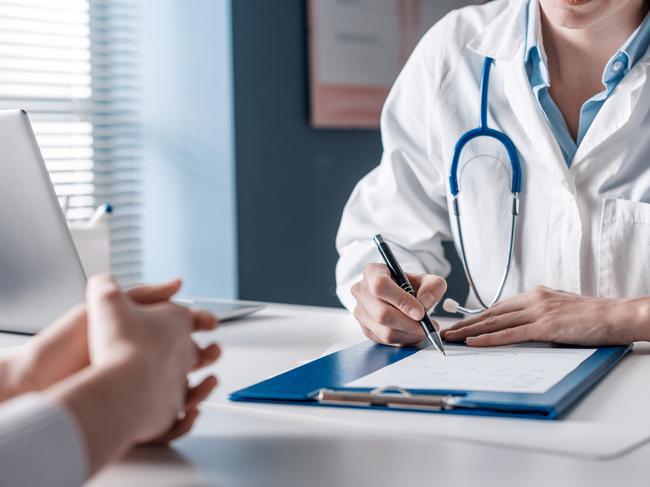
[583, 229]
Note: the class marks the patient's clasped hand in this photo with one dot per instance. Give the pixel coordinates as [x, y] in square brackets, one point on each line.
[119, 366]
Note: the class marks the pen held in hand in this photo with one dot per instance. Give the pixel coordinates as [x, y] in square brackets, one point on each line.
[402, 281]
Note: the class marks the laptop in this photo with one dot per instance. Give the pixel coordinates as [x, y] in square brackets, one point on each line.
[225, 309]
[41, 275]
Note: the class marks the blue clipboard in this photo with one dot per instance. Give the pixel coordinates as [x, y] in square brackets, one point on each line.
[322, 383]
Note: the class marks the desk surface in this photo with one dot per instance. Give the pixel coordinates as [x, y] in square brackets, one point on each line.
[233, 445]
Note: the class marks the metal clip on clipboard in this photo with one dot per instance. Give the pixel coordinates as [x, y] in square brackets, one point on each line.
[390, 397]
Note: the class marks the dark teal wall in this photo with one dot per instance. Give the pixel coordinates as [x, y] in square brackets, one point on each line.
[292, 180]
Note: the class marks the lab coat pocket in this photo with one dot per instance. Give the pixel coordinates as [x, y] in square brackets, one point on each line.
[624, 249]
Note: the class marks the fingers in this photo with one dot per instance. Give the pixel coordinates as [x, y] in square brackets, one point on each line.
[472, 320]
[380, 284]
[198, 393]
[430, 288]
[183, 425]
[180, 428]
[387, 335]
[516, 303]
[203, 320]
[195, 396]
[102, 288]
[206, 356]
[387, 313]
[193, 320]
[514, 320]
[382, 317]
[519, 334]
[149, 294]
[487, 324]
[101, 284]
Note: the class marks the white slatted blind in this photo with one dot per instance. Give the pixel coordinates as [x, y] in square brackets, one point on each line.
[73, 66]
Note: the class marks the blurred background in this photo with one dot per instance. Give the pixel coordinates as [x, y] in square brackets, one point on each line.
[227, 134]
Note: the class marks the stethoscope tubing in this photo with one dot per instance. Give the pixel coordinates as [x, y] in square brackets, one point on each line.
[506, 271]
[485, 131]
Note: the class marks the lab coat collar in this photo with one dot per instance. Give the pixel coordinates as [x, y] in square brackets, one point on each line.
[505, 35]
[504, 39]
[531, 118]
[616, 112]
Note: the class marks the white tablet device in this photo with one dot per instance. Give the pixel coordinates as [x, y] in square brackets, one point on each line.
[225, 310]
[41, 276]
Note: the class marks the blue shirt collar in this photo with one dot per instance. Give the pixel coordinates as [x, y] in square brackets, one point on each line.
[627, 56]
[617, 67]
[535, 56]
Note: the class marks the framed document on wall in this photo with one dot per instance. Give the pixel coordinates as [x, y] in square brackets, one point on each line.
[357, 48]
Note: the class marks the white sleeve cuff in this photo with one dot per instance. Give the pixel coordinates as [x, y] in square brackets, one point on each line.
[357, 255]
[40, 444]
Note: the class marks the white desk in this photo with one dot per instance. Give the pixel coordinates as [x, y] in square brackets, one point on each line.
[264, 445]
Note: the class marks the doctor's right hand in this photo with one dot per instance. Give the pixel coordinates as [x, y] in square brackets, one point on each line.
[388, 314]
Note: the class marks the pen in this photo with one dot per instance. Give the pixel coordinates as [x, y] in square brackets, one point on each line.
[402, 281]
[101, 213]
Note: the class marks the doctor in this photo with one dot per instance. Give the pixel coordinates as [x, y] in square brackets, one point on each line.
[566, 82]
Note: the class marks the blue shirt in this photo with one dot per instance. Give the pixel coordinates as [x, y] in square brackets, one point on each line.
[537, 68]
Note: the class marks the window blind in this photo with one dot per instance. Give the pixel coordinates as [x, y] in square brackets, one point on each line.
[73, 66]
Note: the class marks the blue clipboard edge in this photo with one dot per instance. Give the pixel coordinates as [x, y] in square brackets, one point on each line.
[298, 386]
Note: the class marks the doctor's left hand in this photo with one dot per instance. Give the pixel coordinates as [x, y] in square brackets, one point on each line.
[545, 315]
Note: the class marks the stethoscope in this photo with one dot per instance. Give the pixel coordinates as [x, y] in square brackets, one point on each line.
[483, 130]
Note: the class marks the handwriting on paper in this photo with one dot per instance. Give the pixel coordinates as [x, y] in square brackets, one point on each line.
[498, 369]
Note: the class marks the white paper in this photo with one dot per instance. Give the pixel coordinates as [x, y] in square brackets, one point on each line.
[358, 42]
[497, 369]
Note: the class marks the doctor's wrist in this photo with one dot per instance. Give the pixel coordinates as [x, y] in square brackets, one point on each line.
[641, 318]
[633, 315]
